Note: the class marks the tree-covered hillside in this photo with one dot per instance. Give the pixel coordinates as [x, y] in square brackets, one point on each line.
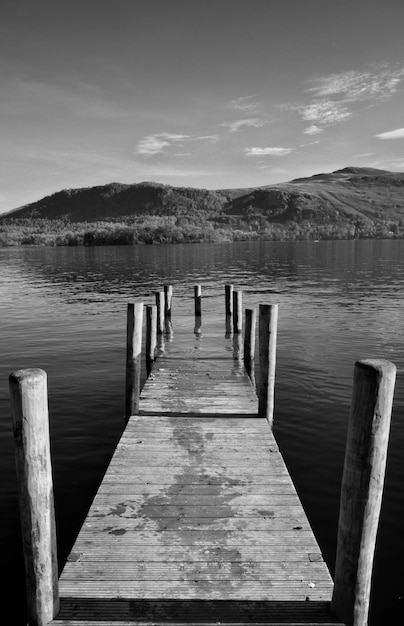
[349, 203]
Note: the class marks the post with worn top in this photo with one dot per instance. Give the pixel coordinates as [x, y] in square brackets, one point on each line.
[267, 330]
[151, 336]
[198, 300]
[29, 409]
[133, 358]
[249, 339]
[168, 297]
[160, 311]
[237, 311]
[362, 488]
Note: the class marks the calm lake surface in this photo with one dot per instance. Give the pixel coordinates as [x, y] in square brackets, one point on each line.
[64, 310]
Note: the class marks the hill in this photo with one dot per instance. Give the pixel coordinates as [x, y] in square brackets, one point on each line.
[352, 202]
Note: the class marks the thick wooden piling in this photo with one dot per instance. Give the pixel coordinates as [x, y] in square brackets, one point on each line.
[249, 338]
[362, 488]
[237, 311]
[168, 296]
[133, 358]
[29, 408]
[151, 336]
[160, 311]
[228, 292]
[267, 330]
[198, 300]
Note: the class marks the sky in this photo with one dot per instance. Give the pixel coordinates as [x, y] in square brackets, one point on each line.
[198, 93]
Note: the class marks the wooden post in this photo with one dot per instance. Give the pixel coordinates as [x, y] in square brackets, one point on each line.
[237, 311]
[160, 311]
[29, 409]
[151, 336]
[228, 291]
[168, 296]
[249, 338]
[198, 300]
[133, 358]
[267, 329]
[362, 488]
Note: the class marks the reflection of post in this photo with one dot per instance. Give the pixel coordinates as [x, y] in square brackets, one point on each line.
[228, 327]
[198, 300]
[237, 351]
[237, 311]
[362, 488]
[29, 409]
[161, 346]
[160, 311]
[151, 334]
[168, 295]
[268, 322]
[249, 339]
[198, 327]
[133, 358]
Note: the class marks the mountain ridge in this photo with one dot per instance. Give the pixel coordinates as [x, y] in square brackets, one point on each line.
[350, 202]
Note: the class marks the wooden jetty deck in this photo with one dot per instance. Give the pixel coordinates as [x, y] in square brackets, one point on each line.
[197, 519]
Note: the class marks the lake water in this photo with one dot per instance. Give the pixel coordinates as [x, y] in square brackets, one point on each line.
[64, 310]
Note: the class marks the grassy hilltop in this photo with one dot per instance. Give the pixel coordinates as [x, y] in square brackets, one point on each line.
[349, 203]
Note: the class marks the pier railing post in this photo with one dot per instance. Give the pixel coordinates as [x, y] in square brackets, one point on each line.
[249, 339]
[151, 336]
[168, 296]
[133, 358]
[198, 300]
[228, 294]
[362, 488]
[237, 311]
[29, 409]
[267, 331]
[160, 311]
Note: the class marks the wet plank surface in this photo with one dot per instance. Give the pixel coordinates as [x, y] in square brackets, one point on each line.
[197, 519]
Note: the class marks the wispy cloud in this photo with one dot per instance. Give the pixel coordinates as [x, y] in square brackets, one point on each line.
[251, 122]
[392, 134]
[378, 82]
[247, 104]
[364, 155]
[333, 97]
[158, 143]
[270, 151]
[155, 144]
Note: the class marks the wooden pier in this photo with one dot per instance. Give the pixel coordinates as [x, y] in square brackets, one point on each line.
[197, 520]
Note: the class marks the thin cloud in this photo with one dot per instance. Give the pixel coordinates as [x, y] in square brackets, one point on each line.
[313, 130]
[161, 142]
[252, 122]
[155, 144]
[245, 104]
[379, 82]
[270, 151]
[392, 134]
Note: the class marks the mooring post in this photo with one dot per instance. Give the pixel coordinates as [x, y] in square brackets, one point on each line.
[249, 338]
[267, 330]
[151, 336]
[29, 409]
[362, 488]
[228, 294]
[133, 358]
[198, 300]
[237, 311]
[160, 311]
[168, 296]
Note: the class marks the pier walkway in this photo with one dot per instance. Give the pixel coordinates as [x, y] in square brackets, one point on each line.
[197, 519]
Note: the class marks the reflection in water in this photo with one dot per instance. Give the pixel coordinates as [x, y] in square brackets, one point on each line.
[161, 346]
[238, 352]
[198, 327]
[229, 327]
[64, 309]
